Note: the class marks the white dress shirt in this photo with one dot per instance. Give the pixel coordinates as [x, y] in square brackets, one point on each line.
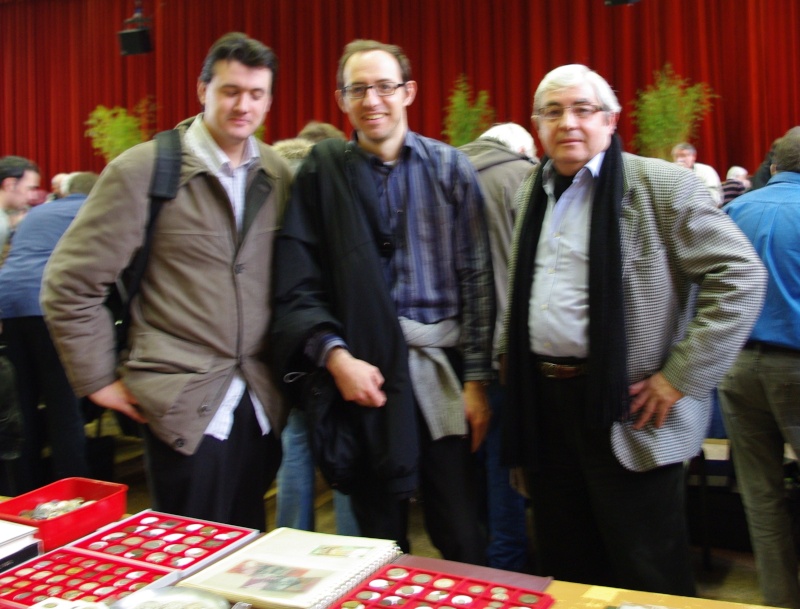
[200, 143]
[558, 319]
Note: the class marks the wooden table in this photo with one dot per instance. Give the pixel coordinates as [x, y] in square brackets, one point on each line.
[583, 596]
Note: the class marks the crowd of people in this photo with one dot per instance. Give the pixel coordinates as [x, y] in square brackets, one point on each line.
[478, 329]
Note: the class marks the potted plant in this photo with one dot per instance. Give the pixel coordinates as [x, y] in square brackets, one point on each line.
[466, 116]
[668, 112]
[114, 130]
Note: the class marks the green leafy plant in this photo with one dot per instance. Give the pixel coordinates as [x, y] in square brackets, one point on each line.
[668, 112]
[114, 130]
[467, 116]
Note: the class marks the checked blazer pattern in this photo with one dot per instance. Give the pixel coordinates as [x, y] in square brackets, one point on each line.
[693, 288]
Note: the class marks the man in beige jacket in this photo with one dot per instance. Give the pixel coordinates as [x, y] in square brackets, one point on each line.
[194, 369]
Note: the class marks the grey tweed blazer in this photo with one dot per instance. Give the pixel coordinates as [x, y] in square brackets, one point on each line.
[693, 288]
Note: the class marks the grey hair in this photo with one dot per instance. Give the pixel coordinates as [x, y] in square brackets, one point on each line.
[684, 146]
[574, 75]
[736, 173]
[787, 152]
[513, 136]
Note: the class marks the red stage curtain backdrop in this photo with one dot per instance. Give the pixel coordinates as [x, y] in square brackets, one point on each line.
[61, 58]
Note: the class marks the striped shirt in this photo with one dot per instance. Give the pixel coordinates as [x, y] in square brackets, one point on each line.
[441, 267]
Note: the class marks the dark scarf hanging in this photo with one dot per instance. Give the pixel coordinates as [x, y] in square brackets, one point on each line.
[607, 394]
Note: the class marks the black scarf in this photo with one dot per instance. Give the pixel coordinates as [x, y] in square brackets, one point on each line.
[607, 395]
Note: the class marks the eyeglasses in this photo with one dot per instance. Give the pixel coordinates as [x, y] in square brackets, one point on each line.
[579, 111]
[384, 89]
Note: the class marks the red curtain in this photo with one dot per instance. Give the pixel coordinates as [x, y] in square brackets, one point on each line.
[59, 59]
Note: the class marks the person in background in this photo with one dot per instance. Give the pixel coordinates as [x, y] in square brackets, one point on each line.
[760, 394]
[685, 155]
[609, 372]
[503, 155]
[736, 183]
[316, 131]
[19, 183]
[194, 367]
[40, 376]
[296, 479]
[384, 307]
[56, 187]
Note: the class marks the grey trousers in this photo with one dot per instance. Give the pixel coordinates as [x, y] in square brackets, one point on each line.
[760, 399]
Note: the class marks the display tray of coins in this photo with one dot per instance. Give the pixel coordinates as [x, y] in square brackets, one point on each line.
[144, 551]
[411, 588]
[67, 509]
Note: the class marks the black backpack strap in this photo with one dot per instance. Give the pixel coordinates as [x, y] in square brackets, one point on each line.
[163, 188]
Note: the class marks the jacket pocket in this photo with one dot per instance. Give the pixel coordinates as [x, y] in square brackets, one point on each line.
[165, 354]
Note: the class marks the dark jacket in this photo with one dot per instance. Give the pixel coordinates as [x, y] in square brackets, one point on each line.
[328, 274]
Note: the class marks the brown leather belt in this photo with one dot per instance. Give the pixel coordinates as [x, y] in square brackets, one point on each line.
[561, 371]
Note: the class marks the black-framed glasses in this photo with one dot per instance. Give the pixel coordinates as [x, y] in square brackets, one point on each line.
[384, 89]
[579, 111]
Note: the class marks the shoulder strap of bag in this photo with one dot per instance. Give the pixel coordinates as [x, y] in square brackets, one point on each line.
[163, 187]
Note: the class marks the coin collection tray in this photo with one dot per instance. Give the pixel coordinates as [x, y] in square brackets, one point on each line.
[148, 549]
[166, 540]
[75, 575]
[395, 586]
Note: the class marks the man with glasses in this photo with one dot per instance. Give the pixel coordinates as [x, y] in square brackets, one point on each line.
[609, 370]
[384, 297]
[19, 183]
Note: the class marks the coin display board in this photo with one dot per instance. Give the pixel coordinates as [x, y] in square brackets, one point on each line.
[410, 588]
[148, 549]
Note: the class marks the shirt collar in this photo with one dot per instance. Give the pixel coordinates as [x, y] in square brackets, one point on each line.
[410, 144]
[593, 167]
[203, 145]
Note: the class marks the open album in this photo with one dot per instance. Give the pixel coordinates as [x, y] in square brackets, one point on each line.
[288, 569]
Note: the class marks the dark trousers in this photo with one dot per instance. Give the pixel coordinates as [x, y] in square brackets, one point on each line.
[449, 502]
[41, 380]
[596, 522]
[223, 481]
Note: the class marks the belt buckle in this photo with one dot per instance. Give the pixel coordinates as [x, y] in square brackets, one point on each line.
[549, 370]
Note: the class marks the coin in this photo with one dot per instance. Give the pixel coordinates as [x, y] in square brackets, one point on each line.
[396, 573]
[529, 599]
[392, 601]
[421, 578]
[444, 582]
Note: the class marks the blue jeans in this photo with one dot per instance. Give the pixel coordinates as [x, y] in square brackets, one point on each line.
[505, 508]
[295, 503]
[760, 398]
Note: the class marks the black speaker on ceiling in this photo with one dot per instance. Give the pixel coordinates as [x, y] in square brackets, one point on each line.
[135, 41]
[617, 2]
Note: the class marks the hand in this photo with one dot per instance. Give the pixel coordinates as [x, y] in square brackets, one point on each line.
[117, 397]
[476, 408]
[652, 399]
[518, 481]
[357, 380]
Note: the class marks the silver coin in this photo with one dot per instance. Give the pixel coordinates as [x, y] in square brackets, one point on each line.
[461, 599]
[396, 573]
[392, 601]
[529, 599]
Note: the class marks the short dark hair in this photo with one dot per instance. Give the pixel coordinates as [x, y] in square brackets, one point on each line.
[787, 151]
[15, 167]
[362, 46]
[235, 46]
